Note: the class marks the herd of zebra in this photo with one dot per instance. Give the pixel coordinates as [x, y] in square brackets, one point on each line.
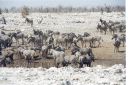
[53, 44]
[113, 27]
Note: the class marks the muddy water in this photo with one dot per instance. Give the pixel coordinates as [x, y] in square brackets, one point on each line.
[50, 63]
[109, 62]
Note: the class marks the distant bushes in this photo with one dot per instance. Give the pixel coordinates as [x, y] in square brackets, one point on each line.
[25, 10]
[0, 11]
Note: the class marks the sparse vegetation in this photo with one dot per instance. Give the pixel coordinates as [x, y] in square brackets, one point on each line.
[6, 10]
[25, 11]
[0, 11]
[108, 9]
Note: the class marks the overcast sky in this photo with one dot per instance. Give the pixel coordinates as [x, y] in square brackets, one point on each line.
[54, 3]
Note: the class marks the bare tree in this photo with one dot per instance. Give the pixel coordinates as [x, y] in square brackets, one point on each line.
[102, 11]
[6, 10]
[25, 11]
[13, 9]
[108, 9]
[0, 11]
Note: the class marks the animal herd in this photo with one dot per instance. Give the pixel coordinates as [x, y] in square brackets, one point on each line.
[114, 28]
[53, 45]
[111, 26]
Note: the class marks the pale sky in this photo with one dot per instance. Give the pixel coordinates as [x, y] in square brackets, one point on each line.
[54, 3]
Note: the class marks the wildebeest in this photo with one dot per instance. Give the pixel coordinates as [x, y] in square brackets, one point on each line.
[88, 51]
[85, 59]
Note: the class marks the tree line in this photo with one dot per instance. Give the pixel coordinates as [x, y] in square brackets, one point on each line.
[62, 9]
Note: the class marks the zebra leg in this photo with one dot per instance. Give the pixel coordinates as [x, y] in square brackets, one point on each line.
[85, 44]
[123, 44]
[118, 49]
[90, 44]
[82, 44]
[114, 49]
[99, 43]
[105, 32]
[22, 41]
[16, 42]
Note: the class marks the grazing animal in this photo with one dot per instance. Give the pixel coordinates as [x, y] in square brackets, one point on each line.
[102, 21]
[7, 57]
[40, 34]
[117, 45]
[45, 50]
[59, 40]
[102, 28]
[85, 59]
[88, 51]
[68, 38]
[5, 41]
[72, 59]
[50, 40]
[29, 21]
[97, 39]
[3, 62]
[117, 42]
[87, 40]
[30, 56]
[40, 21]
[86, 34]
[34, 40]
[121, 37]
[58, 57]
[74, 48]
[60, 48]
[17, 36]
[3, 20]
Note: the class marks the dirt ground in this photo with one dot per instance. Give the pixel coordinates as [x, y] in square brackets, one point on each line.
[104, 55]
[66, 23]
